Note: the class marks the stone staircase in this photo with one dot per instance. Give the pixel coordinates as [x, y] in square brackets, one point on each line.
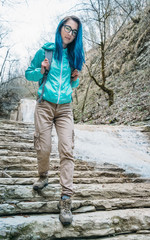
[108, 203]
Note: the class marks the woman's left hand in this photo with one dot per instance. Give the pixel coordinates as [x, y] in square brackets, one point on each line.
[74, 75]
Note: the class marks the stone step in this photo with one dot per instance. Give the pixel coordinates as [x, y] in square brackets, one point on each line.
[10, 123]
[77, 174]
[17, 137]
[139, 236]
[14, 135]
[4, 153]
[103, 180]
[15, 128]
[19, 159]
[16, 132]
[16, 146]
[81, 191]
[24, 174]
[85, 225]
[11, 140]
[11, 160]
[20, 146]
[56, 166]
[32, 167]
[6, 142]
[78, 206]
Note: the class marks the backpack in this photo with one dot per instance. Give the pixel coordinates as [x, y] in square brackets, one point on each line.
[48, 55]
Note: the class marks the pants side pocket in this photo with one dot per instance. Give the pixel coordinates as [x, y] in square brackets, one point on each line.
[37, 141]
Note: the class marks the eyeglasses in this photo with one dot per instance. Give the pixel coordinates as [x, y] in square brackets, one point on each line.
[68, 29]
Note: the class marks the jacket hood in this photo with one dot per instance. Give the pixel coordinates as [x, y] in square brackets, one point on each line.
[49, 46]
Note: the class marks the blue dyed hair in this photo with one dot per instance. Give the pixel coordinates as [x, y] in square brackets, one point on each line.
[75, 48]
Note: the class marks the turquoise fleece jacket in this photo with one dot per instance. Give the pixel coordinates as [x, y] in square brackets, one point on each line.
[58, 87]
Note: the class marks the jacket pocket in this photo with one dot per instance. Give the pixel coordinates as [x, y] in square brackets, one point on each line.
[37, 141]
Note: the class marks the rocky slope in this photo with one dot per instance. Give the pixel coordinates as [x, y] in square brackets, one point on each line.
[108, 203]
[128, 75]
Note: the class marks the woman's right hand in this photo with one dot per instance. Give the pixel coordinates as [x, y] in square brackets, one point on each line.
[44, 65]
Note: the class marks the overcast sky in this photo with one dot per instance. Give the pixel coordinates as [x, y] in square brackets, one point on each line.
[30, 19]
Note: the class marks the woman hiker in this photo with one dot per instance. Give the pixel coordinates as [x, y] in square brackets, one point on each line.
[53, 106]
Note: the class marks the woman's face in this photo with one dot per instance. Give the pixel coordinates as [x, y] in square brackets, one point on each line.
[69, 32]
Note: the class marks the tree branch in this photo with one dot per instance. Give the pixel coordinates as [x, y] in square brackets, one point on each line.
[102, 86]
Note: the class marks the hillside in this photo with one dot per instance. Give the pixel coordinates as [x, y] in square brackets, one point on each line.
[127, 72]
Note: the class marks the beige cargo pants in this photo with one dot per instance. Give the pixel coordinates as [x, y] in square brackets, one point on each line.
[46, 114]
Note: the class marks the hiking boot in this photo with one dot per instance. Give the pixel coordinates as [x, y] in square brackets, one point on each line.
[40, 183]
[65, 215]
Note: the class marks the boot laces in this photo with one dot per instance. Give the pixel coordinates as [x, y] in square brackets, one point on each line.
[66, 206]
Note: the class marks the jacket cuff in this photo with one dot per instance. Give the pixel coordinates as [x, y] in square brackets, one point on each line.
[37, 74]
[75, 84]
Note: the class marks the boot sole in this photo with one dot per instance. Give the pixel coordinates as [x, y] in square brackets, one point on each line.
[65, 223]
[36, 188]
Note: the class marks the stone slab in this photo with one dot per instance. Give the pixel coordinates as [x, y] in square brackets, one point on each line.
[81, 191]
[12, 207]
[94, 224]
[145, 236]
[30, 180]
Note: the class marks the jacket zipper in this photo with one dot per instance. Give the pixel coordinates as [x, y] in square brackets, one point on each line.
[60, 80]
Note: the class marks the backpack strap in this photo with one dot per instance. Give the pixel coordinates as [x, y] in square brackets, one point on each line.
[48, 55]
[72, 69]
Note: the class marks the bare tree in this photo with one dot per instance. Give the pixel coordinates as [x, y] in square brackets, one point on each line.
[99, 12]
[7, 60]
[13, 2]
[4, 50]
